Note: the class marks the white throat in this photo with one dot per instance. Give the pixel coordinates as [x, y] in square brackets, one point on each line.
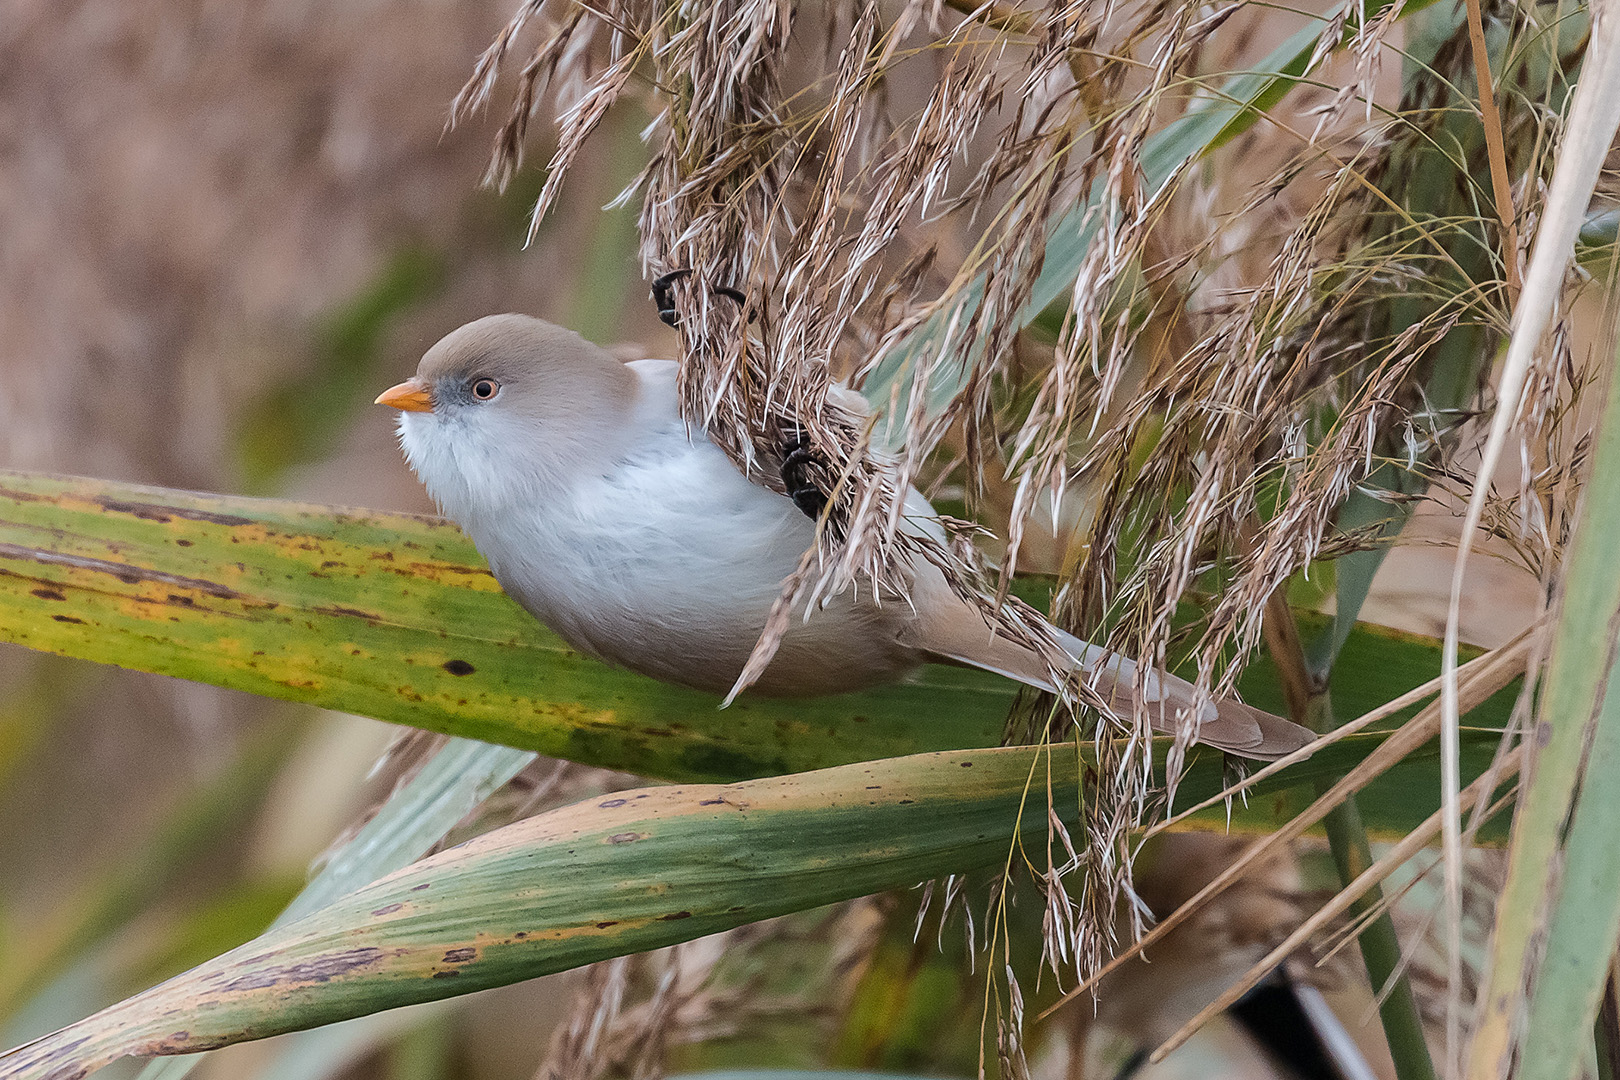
[476, 466]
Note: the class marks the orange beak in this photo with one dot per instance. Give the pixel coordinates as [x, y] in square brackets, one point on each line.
[412, 395]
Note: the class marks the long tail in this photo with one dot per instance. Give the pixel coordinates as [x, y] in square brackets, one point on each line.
[1230, 725]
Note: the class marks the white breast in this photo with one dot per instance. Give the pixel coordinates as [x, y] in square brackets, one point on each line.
[667, 561]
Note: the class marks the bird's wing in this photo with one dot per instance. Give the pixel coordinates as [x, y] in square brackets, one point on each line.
[948, 628]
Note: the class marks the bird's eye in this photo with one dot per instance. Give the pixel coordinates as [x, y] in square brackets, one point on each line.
[484, 389]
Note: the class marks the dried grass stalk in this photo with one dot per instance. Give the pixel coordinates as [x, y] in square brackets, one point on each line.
[1214, 393]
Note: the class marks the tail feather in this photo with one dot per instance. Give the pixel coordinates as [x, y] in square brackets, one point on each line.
[963, 637]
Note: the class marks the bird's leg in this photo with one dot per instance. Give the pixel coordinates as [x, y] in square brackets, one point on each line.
[797, 464]
[664, 296]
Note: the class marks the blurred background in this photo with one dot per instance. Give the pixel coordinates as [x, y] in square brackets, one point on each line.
[224, 227]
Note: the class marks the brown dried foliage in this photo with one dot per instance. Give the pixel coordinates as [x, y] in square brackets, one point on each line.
[634, 1012]
[1240, 352]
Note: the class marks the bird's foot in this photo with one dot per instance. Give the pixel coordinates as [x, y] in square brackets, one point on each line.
[664, 296]
[796, 476]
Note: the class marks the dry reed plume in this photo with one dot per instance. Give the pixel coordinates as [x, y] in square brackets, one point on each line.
[1259, 348]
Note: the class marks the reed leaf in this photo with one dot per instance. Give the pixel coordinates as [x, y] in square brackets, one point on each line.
[395, 616]
[1575, 741]
[613, 875]
[610, 876]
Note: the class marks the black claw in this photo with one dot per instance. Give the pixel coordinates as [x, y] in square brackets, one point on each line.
[796, 465]
[664, 296]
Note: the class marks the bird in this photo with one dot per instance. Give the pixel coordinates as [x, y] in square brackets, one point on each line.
[633, 537]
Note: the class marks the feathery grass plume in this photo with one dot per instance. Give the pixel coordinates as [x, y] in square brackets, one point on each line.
[632, 1012]
[1530, 523]
[1346, 368]
[1218, 396]
[1349, 369]
[788, 196]
[577, 1044]
[1010, 1033]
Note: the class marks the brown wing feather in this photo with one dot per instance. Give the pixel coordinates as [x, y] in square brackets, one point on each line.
[948, 629]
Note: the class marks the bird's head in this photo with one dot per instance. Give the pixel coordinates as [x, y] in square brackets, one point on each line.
[508, 408]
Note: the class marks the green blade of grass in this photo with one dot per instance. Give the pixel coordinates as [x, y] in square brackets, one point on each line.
[1587, 912]
[1577, 770]
[1578, 734]
[613, 875]
[610, 876]
[459, 777]
[395, 616]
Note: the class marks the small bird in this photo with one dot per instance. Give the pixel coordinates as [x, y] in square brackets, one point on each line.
[637, 541]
